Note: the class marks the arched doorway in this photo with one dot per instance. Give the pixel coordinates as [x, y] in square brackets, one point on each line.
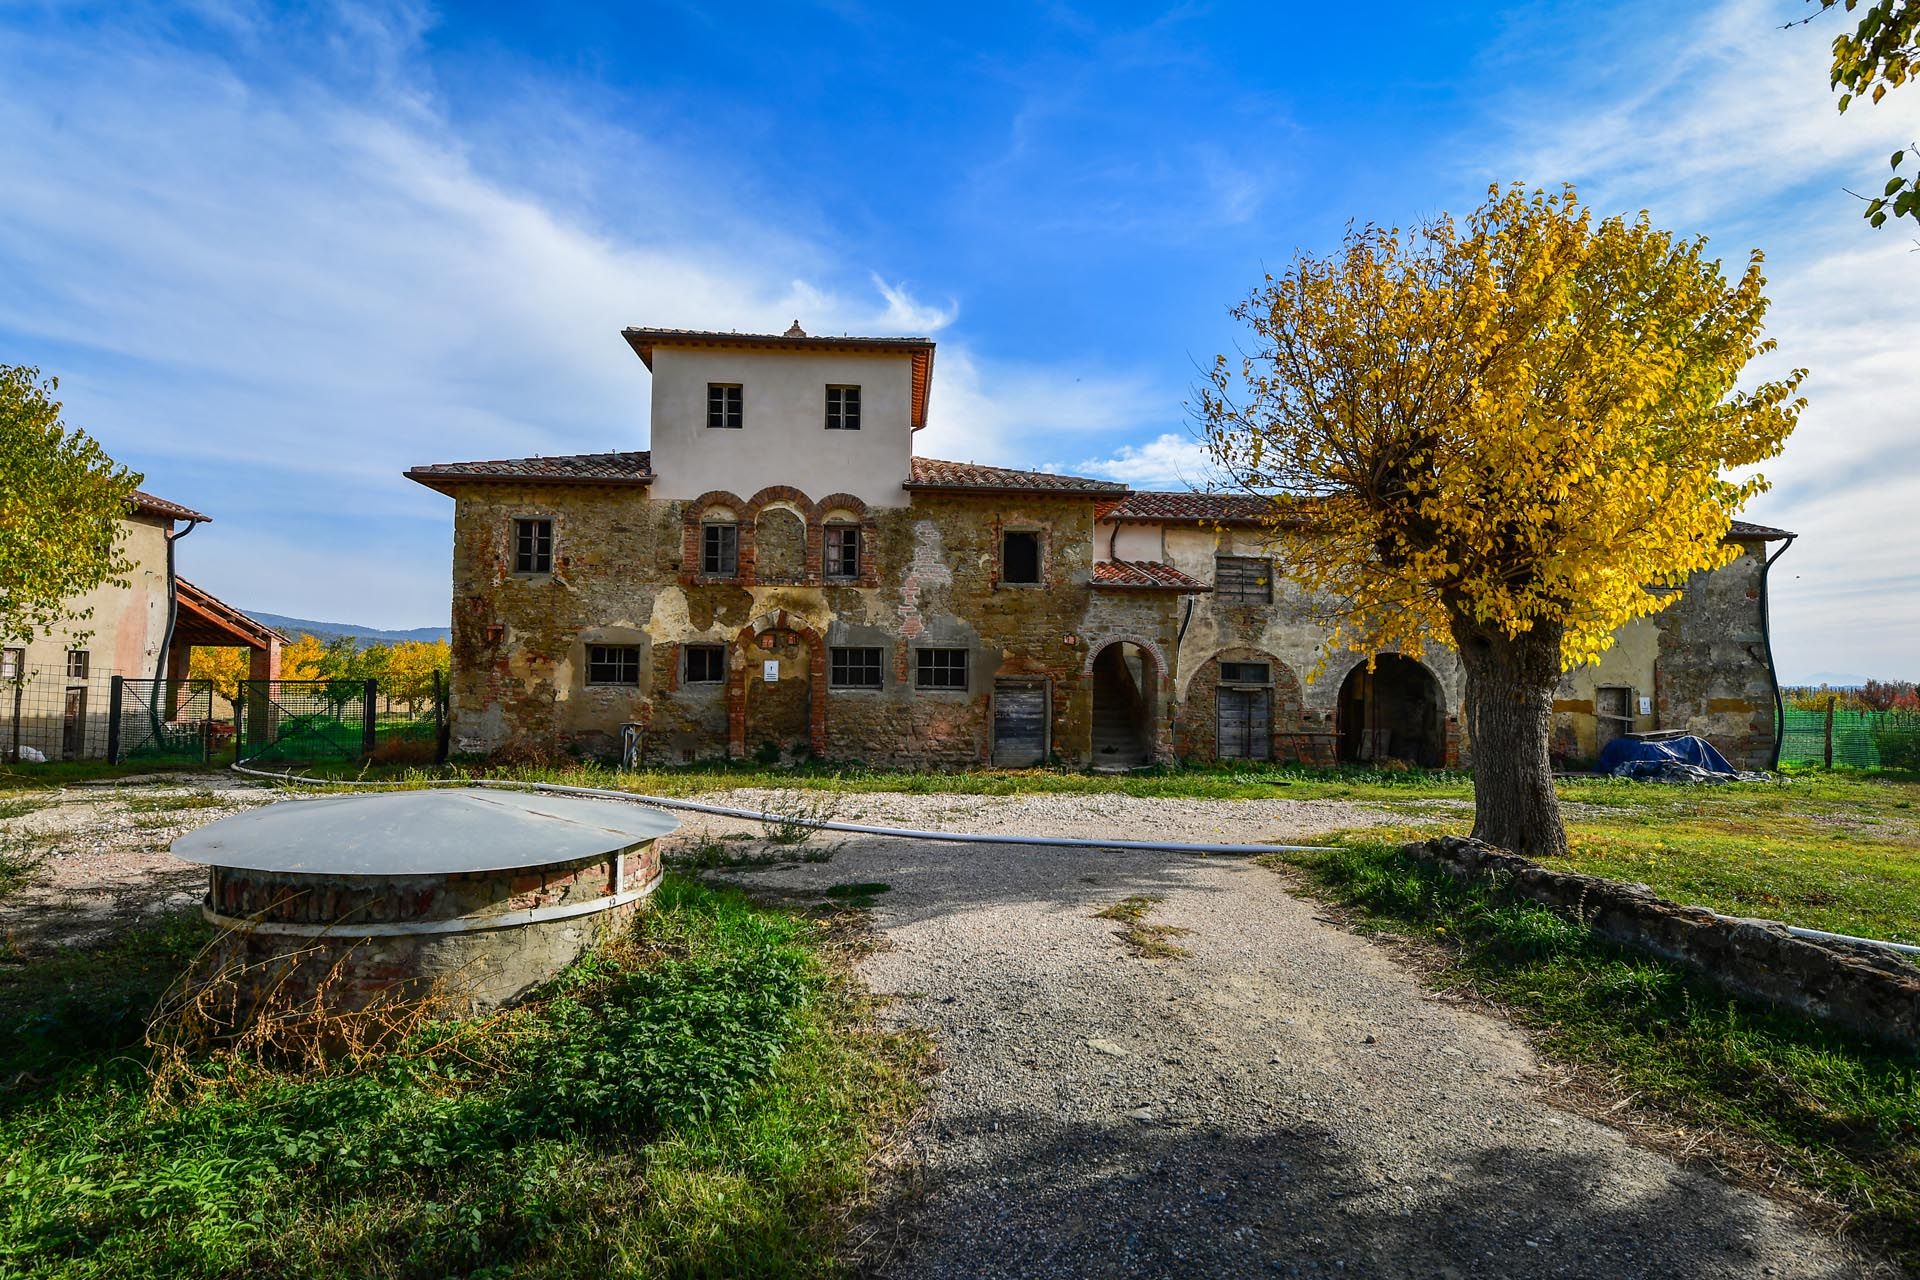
[1125, 681]
[776, 693]
[1394, 712]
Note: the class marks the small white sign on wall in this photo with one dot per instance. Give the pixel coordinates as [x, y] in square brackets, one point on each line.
[1646, 705]
[770, 670]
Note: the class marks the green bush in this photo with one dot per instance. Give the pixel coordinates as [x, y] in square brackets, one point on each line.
[1899, 747]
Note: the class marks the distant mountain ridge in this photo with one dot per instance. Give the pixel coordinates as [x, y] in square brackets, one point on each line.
[363, 636]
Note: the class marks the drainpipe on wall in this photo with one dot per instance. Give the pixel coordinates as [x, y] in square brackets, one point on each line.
[166, 640]
[1773, 676]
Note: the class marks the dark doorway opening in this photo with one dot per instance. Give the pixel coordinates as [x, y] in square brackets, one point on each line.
[1394, 712]
[1124, 678]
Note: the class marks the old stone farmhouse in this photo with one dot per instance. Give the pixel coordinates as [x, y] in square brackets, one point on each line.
[782, 573]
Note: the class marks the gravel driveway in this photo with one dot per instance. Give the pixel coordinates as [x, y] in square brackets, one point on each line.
[1285, 1100]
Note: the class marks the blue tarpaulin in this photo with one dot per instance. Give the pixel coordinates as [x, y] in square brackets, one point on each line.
[1632, 758]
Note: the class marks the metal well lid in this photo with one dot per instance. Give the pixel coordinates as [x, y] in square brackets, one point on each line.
[409, 833]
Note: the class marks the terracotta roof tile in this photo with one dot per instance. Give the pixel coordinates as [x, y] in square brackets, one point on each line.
[146, 504]
[1143, 575]
[1170, 507]
[932, 473]
[577, 468]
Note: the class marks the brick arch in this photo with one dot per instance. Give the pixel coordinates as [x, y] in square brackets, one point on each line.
[1448, 747]
[1161, 712]
[690, 521]
[869, 538]
[781, 493]
[1292, 736]
[745, 642]
[784, 546]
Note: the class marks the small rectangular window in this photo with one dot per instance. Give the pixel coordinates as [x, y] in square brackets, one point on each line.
[940, 669]
[533, 546]
[12, 663]
[613, 664]
[720, 550]
[854, 668]
[79, 662]
[843, 551]
[1244, 673]
[705, 664]
[724, 405]
[1020, 557]
[1243, 579]
[843, 408]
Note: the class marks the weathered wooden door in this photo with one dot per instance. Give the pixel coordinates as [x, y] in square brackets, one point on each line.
[1245, 724]
[1613, 715]
[1019, 723]
[73, 732]
[779, 693]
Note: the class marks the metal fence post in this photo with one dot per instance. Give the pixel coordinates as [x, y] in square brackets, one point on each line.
[1831, 699]
[366, 725]
[115, 694]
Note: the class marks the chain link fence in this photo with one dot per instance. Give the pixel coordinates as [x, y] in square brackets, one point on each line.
[1838, 735]
[48, 713]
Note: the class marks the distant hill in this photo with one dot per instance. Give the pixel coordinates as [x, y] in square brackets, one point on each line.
[364, 636]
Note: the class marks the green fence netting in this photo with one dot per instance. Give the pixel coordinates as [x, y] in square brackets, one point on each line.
[1862, 739]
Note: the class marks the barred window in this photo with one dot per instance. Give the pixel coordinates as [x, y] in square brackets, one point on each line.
[843, 551]
[705, 664]
[940, 669]
[613, 664]
[12, 663]
[533, 546]
[720, 549]
[854, 668]
[843, 408]
[79, 662]
[1020, 557]
[1245, 673]
[724, 405]
[1243, 580]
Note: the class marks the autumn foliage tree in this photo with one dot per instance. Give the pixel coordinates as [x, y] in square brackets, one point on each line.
[1501, 436]
[62, 501]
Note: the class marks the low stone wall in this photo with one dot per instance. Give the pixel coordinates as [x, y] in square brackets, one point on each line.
[1864, 989]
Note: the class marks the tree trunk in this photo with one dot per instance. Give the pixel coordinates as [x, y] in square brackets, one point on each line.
[1510, 684]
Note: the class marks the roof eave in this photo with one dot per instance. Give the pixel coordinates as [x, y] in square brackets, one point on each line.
[441, 481]
[991, 491]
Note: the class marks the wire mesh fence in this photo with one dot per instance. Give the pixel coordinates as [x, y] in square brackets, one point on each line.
[161, 722]
[323, 721]
[1838, 735]
[58, 712]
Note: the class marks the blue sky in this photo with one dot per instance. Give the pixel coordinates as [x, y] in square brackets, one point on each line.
[278, 255]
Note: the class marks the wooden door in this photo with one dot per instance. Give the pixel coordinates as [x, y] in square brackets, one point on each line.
[1245, 724]
[1019, 723]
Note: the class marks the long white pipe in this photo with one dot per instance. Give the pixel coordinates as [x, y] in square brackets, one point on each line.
[854, 828]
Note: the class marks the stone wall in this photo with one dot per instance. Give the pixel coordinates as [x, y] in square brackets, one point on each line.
[1863, 989]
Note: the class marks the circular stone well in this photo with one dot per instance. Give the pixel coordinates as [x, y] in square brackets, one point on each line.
[469, 896]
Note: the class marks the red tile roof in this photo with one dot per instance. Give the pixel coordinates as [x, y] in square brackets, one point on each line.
[643, 341]
[1158, 507]
[146, 504]
[1143, 575]
[932, 473]
[206, 619]
[577, 468]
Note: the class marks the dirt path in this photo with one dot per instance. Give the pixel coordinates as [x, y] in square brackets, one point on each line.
[1286, 1100]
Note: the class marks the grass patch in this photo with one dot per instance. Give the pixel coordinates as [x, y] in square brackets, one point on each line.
[175, 804]
[19, 807]
[700, 1096]
[1147, 940]
[1841, 1114]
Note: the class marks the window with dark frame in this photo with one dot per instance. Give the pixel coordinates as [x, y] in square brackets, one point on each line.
[1020, 557]
[613, 664]
[843, 408]
[843, 551]
[79, 663]
[725, 402]
[1245, 673]
[854, 668]
[1243, 579]
[940, 669]
[533, 546]
[704, 664]
[12, 663]
[720, 549]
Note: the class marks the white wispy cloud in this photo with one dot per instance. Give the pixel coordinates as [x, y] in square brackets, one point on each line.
[1173, 460]
[1724, 125]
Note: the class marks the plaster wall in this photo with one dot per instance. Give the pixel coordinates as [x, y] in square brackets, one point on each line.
[126, 625]
[783, 439]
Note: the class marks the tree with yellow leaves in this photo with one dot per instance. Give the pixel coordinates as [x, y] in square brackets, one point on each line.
[303, 658]
[411, 666]
[226, 666]
[1503, 436]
